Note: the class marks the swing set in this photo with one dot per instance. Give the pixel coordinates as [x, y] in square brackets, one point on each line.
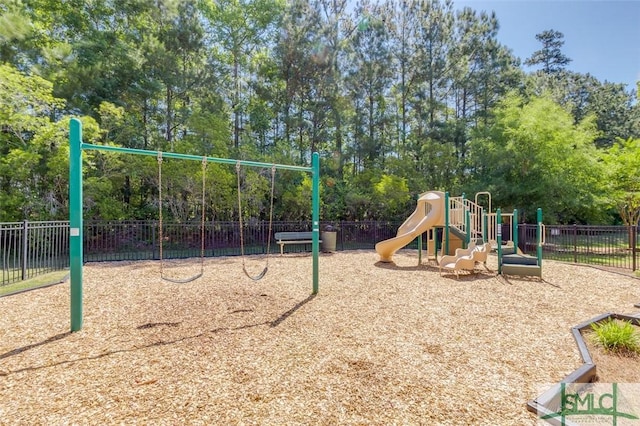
[76, 207]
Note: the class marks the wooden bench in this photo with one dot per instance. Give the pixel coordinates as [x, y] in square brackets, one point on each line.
[283, 238]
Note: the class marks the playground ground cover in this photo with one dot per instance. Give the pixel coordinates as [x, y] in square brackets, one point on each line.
[380, 343]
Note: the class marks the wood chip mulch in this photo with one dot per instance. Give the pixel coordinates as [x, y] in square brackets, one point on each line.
[380, 344]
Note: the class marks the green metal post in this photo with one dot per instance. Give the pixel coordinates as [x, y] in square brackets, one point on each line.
[75, 222]
[485, 228]
[514, 230]
[435, 242]
[446, 223]
[420, 243]
[467, 237]
[468, 227]
[315, 218]
[499, 237]
[539, 234]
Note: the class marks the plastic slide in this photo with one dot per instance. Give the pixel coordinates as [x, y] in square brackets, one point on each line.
[420, 221]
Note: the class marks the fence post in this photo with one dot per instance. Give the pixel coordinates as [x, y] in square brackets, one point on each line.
[634, 250]
[499, 239]
[575, 243]
[514, 231]
[25, 250]
[153, 240]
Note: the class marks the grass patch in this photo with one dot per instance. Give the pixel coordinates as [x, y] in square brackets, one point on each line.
[611, 260]
[620, 337]
[39, 281]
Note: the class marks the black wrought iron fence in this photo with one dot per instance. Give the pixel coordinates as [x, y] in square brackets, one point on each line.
[611, 246]
[137, 240]
[28, 249]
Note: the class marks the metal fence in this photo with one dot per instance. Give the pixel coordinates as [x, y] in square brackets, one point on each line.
[610, 246]
[29, 249]
[135, 240]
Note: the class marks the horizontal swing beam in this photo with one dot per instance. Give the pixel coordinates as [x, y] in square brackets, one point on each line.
[75, 206]
[88, 146]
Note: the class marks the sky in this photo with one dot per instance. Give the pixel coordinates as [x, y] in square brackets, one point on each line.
[601, 37]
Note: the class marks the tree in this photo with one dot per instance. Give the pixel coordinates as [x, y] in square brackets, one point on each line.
[15, 28]
[239, 29]
[535, 156]
[622, 163]
[550, 56]
[302, 61]
[402, 27]
[369, 77]
[28, 140]
[615, 111]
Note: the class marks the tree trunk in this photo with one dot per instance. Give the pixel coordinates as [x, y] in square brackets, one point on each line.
[236, 101]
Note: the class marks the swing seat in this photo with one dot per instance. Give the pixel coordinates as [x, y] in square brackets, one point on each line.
[182, 280]
[256, 277]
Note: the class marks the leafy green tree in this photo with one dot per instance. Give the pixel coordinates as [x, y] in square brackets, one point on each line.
[306, 50]
[535, 156]
[616, 115]
[614, 108]
[28, 141]
[240, 28]
[15, 29]
[434, 41]
[622, 162]
[390, 197]
[402, 26]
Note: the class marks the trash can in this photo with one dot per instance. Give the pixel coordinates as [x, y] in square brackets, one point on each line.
[329, 237]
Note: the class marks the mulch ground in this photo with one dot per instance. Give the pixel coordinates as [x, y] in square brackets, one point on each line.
[380, 343]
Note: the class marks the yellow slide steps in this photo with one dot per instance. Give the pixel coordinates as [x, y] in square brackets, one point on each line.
[466, 259]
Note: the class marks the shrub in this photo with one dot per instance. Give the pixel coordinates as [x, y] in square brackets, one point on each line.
[617, 336]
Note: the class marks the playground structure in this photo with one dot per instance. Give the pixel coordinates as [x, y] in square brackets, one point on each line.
[463, 223]
[466, 259]
[459, 218]
[429, 213]
[511, 260]
[76, 146]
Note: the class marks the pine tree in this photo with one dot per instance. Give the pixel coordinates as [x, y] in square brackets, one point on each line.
[550, 56]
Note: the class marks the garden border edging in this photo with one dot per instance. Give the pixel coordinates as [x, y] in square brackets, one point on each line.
[583, 374]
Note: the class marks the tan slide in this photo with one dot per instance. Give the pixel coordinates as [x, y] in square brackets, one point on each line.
[429, 213]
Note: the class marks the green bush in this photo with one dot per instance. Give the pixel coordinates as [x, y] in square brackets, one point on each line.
[617, 336]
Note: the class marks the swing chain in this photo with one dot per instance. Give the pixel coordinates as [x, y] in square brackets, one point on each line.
[264, 271]
[273, 181]
[204, 174]
[160, 236]
[160, 223]
[240, 214]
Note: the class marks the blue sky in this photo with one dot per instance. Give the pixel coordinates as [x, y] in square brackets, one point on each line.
[601, 37]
